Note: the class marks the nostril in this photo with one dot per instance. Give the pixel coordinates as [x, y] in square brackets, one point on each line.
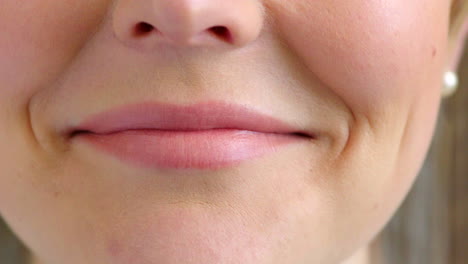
[143, 28]
[221, 32]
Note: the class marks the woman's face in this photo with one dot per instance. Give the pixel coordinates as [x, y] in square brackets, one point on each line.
[362, 77]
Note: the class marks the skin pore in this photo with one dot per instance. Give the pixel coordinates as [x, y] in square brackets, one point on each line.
[363, 75]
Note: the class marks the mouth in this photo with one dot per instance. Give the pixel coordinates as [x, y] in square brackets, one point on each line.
[209, 135]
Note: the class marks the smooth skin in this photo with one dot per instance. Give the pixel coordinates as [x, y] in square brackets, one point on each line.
[365, 75]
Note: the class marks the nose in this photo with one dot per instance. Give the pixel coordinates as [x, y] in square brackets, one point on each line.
[145, 23]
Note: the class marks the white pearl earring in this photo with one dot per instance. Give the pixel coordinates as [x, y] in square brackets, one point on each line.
[450, 84]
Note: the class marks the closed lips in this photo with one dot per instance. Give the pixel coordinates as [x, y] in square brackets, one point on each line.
[204, 136]
[195, 117]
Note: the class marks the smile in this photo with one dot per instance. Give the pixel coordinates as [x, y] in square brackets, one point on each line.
[207, 135]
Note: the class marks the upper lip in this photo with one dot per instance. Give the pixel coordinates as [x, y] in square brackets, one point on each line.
[201, 116]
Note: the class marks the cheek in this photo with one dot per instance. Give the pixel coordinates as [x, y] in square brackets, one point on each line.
[372, 54]
[384, 60]
[39, 38]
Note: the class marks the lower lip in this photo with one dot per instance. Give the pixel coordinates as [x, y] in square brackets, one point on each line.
[202, 149]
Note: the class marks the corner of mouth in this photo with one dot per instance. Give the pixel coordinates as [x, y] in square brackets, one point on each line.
[71, 133]
[305, 135]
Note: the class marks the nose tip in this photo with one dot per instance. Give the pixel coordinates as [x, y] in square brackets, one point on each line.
[144, 23]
